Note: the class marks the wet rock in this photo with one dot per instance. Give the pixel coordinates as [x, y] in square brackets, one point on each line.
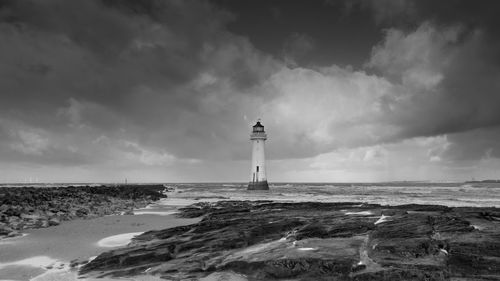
[54, 221]
[42, 223]
[82, 212]
[314, 241]
[29, 207]
[17, 225]
[77, 263]
[13, 234]
[30, 216]
[5, 230]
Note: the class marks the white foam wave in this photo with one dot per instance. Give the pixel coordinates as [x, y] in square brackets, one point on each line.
[382, 219]
[37, 261]
[362, 213]
[158, 213]
[117, 240]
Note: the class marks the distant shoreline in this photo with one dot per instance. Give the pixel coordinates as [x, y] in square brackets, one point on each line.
[484, 181]
[242, 183]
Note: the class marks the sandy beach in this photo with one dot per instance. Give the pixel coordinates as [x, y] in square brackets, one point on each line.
[45, 254]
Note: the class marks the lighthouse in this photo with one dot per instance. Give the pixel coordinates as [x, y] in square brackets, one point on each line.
[258, 179]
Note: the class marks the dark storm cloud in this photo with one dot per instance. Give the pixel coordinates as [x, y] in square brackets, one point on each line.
[342, 36]
[451, 76]
[131, 71]
[463, 58]
[478, 144]
[296, 48]
[443, 71]
[161, 82]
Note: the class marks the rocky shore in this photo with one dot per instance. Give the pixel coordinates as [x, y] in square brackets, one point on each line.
[316, 241]
[37, 207]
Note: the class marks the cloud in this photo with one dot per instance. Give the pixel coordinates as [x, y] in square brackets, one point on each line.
[320, 110]
[164, 83]
[296, 47]
[30, 142]
[449, 84]
[409, 13]
[157, 73]
[415, 60]
[146, 156]
[426, 82]
[389, 11]
[474, 145]
[405, 160]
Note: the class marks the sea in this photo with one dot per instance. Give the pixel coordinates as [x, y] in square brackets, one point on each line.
[453, 194]
[476, 194]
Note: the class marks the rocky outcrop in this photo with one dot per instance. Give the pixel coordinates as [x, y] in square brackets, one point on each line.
[30, 207]
[316, 241]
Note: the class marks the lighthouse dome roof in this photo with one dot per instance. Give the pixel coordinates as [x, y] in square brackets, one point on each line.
[258, 125]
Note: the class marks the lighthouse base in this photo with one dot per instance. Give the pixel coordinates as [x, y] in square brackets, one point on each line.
[260, 185]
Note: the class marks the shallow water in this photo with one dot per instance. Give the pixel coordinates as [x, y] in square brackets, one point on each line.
[449, 194]
[45, 254]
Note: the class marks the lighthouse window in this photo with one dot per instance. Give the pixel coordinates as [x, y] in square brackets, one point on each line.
[257, 168]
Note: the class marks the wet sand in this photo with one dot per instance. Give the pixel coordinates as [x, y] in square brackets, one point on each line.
[51, 249]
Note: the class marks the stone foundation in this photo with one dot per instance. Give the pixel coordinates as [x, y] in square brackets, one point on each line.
[261, 185]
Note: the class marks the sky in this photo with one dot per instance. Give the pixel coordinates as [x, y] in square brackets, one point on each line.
[167, 91]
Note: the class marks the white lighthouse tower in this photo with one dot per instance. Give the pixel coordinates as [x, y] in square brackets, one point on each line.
[258, 179]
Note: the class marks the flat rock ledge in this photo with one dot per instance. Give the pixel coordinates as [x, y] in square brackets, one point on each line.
[316, 241]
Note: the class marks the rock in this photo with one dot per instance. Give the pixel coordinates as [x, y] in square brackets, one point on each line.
[17, 225]
[12, 212]
[14, 233]
[54, 221]
[43, 223]
[29, 207]
[314, 241]
[12, 219]
[5, 230]
[82, 212]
